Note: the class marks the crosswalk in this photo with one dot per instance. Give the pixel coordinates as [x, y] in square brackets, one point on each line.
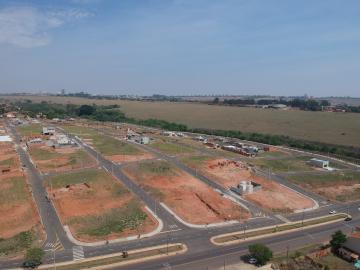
[78, 253]
[51, 246]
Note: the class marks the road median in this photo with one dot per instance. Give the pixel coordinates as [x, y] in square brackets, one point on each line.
[118, 259]
[248, 235]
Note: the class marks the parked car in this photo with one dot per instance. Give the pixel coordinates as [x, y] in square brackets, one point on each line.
[252, 260]
[348, 218]
[30, 264]
[331, 212]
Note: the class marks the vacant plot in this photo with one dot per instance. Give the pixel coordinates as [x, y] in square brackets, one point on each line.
[342, 186]
[49, 159]
[29, 130]
[19, 221]
[114, 149]
[190, 198]
[336, 128]
[284, 164]
[229, 173]
[171, 148]
[97, 206]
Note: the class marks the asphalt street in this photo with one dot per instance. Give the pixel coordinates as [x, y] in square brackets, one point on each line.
[201, 253]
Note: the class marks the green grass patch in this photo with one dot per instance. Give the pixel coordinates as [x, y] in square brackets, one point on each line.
[87, 176]
[158, 167]
[17, 243]
[195, 160]
[43, 154]
[326, 179]
[110, 146]
[7, 162]
[171, 148]
[282, 165]
[28, 130]
[15, 192]
[114, 221]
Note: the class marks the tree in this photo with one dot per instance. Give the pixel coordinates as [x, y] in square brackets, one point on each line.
[216, 100]
[337, 239]
[260, 252]
[86, 110]
[34, 255]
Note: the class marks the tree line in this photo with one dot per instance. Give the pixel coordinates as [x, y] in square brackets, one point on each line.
[112, 113]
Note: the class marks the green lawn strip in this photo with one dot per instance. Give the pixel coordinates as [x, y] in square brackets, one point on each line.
[130, 216]
[43, 154]
[80, 131]
[79, 158]
[16, 191]
[119, 258]
[171, 148]
[31, 129]
[87, 176]
[275, 154]
[279, 228]
[326, 179]
[17, 243]
[7, 162]
[353, 195]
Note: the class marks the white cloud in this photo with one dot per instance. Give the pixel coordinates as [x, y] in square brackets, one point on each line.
[29, 27]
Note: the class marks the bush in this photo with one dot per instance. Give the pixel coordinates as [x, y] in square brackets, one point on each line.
[260, 252]
[34, 254]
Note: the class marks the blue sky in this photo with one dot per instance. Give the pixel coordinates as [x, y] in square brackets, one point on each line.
[181, 46]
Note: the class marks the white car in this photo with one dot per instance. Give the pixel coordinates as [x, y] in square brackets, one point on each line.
[332, 212]
[253, 260]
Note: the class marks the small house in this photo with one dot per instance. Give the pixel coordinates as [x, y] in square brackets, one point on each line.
[350, 250]
[319, 163]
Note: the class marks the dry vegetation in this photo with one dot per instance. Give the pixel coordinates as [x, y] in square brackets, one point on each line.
[336, 128]
[19, 221]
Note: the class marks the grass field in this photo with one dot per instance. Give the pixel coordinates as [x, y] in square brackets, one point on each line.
[283, 165]
[29, 130]
[336, 128]
[106, 145]
[171, 148]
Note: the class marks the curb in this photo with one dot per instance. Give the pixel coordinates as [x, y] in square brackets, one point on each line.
[118, 240]
[232, 242]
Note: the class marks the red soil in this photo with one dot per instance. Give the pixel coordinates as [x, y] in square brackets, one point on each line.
[15, 215]
[190, 198]
[93, 199]
[272, 196]
[129, 158]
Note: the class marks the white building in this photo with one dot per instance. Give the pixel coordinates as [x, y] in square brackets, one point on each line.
[319, 163]
[48, 130]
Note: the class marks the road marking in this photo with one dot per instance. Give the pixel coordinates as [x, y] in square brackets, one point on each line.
[171, 231]
[78, 253]
[282, 218]
[173, 226]
[51, 246]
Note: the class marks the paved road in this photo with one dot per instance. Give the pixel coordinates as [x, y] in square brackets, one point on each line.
[168, 220]
[50, 220]
[201, 251]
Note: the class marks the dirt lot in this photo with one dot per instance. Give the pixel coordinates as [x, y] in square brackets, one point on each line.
[19, 220]
[187, 196]
[97, 206]
[341, 186]
[229, 173]
[48, 159]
